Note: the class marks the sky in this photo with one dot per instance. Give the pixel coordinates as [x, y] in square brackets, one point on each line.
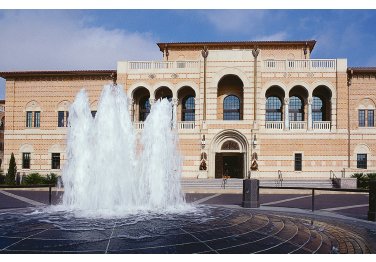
[97, 39]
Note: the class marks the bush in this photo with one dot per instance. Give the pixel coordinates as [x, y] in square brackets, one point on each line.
[10, 178]
[2, 177]
[37, 179]
[363, 179]
[51, 179]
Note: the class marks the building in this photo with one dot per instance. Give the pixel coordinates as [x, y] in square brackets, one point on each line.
[254, 108]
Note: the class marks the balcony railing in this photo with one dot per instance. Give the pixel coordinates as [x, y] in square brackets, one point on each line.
[181, 125]
[321, 125]
[163, 66]
[276, 125]
[186, 125]
[306, 65]
[298, 125]
[138, 125]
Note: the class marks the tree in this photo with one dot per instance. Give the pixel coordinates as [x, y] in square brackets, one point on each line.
[10, 178]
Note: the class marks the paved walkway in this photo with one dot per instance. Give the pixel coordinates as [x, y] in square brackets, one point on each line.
[351, 205]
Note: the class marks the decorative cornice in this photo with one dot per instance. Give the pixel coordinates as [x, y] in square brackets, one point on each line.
[16, 74]
[309, 43]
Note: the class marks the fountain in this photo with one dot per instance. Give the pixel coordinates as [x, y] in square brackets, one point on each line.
[104, 175]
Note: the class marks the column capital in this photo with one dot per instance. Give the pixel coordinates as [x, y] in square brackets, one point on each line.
[310, 100]
[175, 101]
[286, 100]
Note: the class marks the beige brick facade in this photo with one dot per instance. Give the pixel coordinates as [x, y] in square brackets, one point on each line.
[282, 79]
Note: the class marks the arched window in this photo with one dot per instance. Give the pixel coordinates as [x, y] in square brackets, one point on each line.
[318, 109]
[144, 108]
[188, 113]
[296, 109]
[231, 108]
[273, 109]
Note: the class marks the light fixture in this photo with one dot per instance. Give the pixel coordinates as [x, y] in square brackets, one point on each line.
[254, 141]
[203, 143]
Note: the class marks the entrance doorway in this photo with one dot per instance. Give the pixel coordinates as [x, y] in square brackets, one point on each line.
[229, 164]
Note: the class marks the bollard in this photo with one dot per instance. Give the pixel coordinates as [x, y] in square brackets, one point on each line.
[251, 193]
[49, 195]
[372, 201]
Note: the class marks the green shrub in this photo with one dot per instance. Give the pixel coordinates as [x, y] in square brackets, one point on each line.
[371, 176]
[2, 177]
[33, 179]
[10, 178]
[51, 179]
[363, 179]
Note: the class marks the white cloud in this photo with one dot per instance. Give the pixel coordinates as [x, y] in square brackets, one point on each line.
[60, 40]
[236, 20]
[280, 36]
[65, 40]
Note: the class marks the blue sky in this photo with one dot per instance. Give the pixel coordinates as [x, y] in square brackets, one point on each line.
[97, 39]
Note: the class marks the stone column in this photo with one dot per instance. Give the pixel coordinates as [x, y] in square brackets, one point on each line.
[175, 102]
[286, 113]
[131, 108]
[309, 124]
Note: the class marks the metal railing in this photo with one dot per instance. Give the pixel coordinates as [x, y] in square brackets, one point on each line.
[313, 189]
[32, 186]
[280, 179]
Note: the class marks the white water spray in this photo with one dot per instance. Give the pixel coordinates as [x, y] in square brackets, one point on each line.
[103, 173]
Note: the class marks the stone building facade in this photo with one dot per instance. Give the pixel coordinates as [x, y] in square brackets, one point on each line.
[254, 108]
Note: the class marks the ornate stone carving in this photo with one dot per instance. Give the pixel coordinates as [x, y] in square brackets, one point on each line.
[205, 52]
[230, 145]
[286, 100]
[152, 76]
[174, 75]
[255, 52]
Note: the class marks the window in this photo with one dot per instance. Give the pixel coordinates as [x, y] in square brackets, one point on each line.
[93, 113]
[361, 161]
[298, 162]
[37, 119]
[371, 118]
[144, 108]
[29, 119]
[30, 122]
[273, 109]
[55, 161]
[296, 109]
[318, 109]
[188, 113]
[62, 118]
[362, 118]
[231, 108]
[26, 160]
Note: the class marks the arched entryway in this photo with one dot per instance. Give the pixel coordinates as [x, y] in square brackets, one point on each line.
[229, 155]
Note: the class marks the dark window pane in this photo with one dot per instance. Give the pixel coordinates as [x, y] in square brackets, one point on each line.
[318, 109]
[37, 119]
[370, 118]
[231, 108]
[273, 109]
[362, 118]
[144, 108]
[298, 162]
[55, 161]
[29, 118]
[26, 160]
[188, 111]
[60, 119]
[361, 161]
[296, 109]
